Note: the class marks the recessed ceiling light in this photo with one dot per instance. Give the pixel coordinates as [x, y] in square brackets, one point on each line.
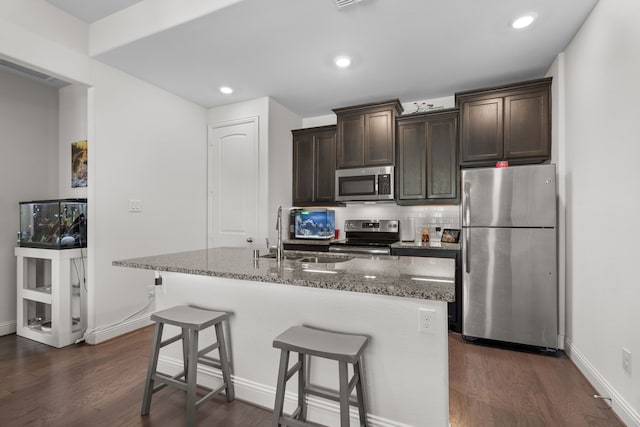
[343, 61]
[523, 21]
[226, 90]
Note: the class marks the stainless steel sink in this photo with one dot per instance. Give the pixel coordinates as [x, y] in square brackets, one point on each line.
[323, 259]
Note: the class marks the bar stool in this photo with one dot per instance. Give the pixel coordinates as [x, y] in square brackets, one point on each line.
[344, 348]
[192, 320]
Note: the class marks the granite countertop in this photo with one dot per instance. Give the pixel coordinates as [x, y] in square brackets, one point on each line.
[428, 245]
[412, 277]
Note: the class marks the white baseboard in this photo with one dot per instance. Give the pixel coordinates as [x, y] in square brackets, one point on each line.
[621, 407]
[319, 410]
[7, 328]
[107, 333]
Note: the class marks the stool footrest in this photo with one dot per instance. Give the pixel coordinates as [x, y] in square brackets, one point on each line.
[354, 380]
[291, 372]
[170, 340]
[210, 361]
[292, 422]
[328, 394]
[211, 393]
[163, 384]
[208, 349]
[167, 380]
[297, 412]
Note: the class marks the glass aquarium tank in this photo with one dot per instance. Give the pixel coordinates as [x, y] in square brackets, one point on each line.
[315, 224]
[53, 224]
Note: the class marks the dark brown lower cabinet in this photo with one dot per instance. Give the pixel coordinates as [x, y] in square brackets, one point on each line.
[427, 150]
[314, 166]
[454, 308]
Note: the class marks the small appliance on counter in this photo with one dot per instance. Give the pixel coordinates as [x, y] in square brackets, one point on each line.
[314, 224]
[407, 229]
[53, 224]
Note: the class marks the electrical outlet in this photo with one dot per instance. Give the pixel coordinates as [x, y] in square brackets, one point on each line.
[135, 205]
[426, 321]
[151, 291]
[626, 360]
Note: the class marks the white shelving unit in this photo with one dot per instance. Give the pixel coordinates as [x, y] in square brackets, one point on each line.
[51, 305]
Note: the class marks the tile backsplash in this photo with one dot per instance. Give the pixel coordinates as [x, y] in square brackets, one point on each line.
[437, 216]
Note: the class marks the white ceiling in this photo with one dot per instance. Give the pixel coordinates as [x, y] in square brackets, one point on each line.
[407, 49]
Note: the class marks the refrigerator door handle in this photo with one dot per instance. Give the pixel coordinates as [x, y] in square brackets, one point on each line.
[466, 202]
[466, 249]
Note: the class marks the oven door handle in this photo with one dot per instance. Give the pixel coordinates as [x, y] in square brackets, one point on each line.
[360, 250]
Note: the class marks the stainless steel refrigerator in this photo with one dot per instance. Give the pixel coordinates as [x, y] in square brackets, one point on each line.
[509, 253]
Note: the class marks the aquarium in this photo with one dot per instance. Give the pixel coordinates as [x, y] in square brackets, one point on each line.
[53, 224]
[315, 224]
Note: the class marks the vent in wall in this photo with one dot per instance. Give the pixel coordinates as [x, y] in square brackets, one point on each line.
[343, 3]
[32, 74]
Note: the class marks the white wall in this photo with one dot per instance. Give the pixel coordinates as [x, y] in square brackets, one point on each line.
[144, 143]
[558, 157]
[602, 65]
[148, 145]
[28, 169]
[47, 21]
[281, 122]
[35, 34]
[72, 127]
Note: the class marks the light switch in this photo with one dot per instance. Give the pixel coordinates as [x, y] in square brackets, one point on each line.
[135, 205]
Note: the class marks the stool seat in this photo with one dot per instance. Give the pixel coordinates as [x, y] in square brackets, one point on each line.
[193, 318]
[309, 342]
[315, 342]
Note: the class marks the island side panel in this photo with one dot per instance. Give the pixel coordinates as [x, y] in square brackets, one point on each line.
[406, 371]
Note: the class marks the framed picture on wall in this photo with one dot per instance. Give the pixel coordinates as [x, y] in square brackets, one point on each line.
[79, 164]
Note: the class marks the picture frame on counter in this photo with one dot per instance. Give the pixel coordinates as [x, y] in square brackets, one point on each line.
[450, 235]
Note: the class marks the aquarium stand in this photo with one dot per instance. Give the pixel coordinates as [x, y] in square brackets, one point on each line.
[51, 295]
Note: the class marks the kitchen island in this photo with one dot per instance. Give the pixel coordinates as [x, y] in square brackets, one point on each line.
[383, 297]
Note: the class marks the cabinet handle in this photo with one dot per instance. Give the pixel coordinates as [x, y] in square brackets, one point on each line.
[250, 240]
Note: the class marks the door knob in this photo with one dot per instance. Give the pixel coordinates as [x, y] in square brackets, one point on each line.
[250, 240]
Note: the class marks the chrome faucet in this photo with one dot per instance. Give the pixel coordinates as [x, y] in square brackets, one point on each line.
[279, 229]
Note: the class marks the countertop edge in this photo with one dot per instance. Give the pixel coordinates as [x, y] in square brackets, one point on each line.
[429, 293]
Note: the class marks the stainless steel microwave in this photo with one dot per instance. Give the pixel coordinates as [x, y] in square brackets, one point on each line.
[364, 184]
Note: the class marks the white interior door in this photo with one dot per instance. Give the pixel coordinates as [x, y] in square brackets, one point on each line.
[233, 183]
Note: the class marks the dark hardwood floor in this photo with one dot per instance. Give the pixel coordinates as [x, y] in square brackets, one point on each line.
[101, 385]
[491, 386]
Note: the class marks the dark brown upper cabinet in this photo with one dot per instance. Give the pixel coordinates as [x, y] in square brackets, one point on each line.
[509, 122]
[366, 134]
[427, 171]
[314, 166]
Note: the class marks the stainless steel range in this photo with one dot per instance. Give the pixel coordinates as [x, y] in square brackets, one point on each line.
[368, 236]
